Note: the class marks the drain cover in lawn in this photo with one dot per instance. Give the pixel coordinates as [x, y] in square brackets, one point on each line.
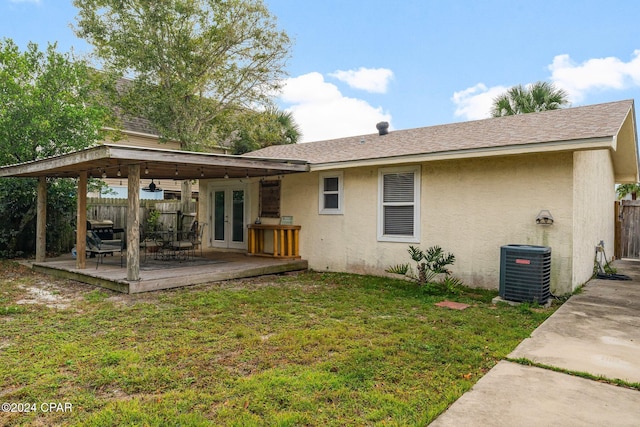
[453, 305]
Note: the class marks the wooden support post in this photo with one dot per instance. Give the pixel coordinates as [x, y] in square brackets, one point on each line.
[275, 242]
[133, 224]
[282, 253]
[252, 241]
[41, 220]
[186, 190]
[81, 223]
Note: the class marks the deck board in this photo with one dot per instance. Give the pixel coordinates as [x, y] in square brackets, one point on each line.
[212, 267]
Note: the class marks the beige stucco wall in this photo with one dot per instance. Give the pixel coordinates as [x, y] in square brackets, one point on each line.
[593, 211]
[345, 242]
[469, 207]
[494, 202]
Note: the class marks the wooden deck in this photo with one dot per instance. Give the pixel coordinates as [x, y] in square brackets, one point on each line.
[160, 274]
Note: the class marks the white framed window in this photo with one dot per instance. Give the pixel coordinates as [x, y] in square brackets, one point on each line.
[399, 204]
[331, 200]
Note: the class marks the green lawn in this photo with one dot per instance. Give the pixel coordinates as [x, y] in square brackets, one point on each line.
[309, 349]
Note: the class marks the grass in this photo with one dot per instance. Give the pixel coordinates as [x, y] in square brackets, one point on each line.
[586, 375]
[311, 349]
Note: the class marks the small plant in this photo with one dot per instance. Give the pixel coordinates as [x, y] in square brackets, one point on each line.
[453, 285]
[431, 263]
[403, 269]
[153, 220]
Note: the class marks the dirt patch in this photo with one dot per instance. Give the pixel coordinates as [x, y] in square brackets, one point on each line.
[59, 294]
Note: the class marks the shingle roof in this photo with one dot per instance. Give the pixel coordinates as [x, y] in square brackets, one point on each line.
[130, 123]
[138, 124]
[570, 124]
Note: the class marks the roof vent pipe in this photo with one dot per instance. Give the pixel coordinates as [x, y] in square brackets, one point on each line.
[383, 128]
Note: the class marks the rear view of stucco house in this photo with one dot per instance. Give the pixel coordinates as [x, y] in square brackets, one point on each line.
[468, 187]
[356, 204]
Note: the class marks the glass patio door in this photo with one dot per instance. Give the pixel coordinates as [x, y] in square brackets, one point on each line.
[228, 216]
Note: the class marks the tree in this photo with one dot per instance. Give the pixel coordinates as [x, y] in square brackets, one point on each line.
[624, 189]
[539, 96]
[50, 105]
[254, 130]
[192, 61]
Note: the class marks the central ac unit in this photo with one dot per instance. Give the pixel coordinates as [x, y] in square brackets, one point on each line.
[525, 273]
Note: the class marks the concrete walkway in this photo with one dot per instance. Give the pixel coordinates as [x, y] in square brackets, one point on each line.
[595, 332]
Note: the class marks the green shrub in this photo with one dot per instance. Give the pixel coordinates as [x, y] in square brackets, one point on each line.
[431, 263]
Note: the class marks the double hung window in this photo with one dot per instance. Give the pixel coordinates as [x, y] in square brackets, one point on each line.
[331, 193]
[399, 204]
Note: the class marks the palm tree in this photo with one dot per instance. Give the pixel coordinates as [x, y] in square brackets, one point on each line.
[254, 130]
[289, 129]
[624, 189]
[539, 96]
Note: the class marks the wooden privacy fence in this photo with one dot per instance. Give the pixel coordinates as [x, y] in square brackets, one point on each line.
[116, 211]
[627, 229]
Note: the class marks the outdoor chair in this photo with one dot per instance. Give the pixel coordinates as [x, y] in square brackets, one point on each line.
[181, 248]
[99, 248]
[150, 243]
[196, 235]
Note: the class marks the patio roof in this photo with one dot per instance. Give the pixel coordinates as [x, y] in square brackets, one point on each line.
[107, 160]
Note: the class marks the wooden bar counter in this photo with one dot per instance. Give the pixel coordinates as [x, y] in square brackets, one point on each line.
[286, 239]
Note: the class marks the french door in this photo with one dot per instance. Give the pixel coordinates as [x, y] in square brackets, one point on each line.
[228, 207]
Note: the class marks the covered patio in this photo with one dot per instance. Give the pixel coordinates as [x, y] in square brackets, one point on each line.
[125, 162]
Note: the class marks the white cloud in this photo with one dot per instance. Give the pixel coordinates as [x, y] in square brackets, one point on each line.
[475, 103]
[373, 80]
[578, 80]
[323, 112]
[594, 74]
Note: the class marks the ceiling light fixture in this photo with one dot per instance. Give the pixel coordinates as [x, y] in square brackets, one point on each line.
[146, 169]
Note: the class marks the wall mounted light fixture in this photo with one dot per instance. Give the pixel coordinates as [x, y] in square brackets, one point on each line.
[544, 218]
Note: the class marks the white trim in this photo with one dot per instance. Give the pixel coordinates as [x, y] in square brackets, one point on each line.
[228, 187]
[416, 205]
[321, 192]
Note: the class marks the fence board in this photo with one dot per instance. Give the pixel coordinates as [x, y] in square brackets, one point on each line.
[629, 216]
[116, 209]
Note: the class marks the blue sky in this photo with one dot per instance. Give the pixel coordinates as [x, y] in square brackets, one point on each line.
[416, 62]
